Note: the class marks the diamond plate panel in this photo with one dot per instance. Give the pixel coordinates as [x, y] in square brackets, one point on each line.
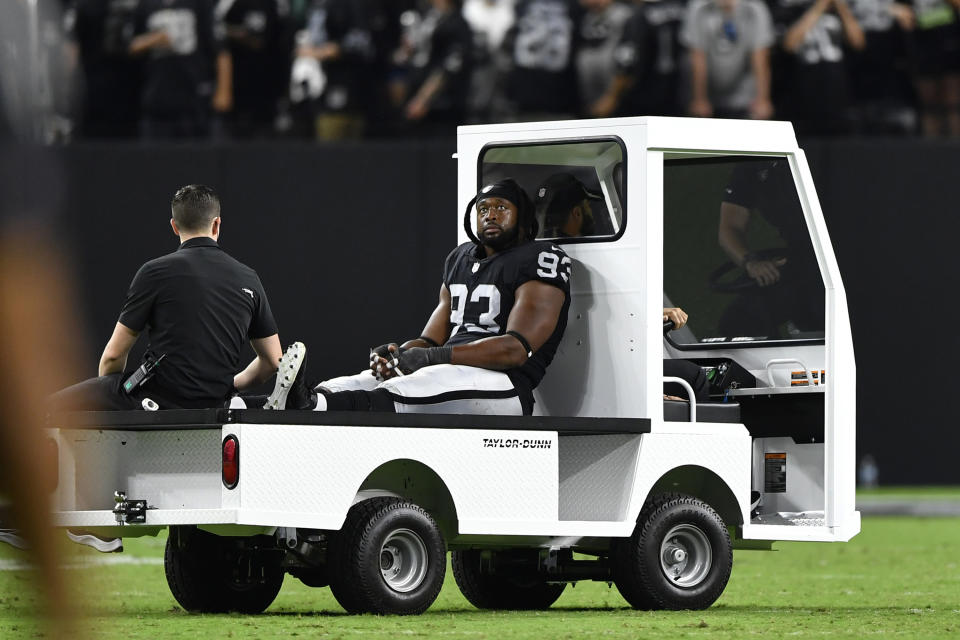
[596, 475]
[168, 469]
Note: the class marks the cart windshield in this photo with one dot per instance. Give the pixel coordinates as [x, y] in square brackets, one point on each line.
[737, 252]
[577, 187]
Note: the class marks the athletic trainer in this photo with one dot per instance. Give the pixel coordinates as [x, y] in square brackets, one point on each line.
[199, 307]
[501, 314]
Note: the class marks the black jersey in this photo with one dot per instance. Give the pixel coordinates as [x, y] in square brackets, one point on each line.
[542, 78]
[483, 291]
[178, 79]
[818, 95]
[253, 29]
[102, 30]
[449, 52]
[651, 52]
[346, 24]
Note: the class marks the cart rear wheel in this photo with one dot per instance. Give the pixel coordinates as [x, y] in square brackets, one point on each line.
[213, 574]
[389, 558]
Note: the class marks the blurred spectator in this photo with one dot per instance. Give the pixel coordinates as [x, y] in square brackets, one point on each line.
[880, 82]
[648, 60]
[339, 38]
[102, 30]
[253, 34]
[816, 32]
[439, 69]
[38, 322]
[39, 65]
[183, 55]
[729, 42]
[600, 30]
[17, 90]
[386, 28]
[542, 84]
[937, 65]
[490, 20]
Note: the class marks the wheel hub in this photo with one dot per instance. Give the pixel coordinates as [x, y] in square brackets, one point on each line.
[403, 560]
[686, 555]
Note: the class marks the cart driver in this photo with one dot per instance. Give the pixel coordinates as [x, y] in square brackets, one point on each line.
[563, 202]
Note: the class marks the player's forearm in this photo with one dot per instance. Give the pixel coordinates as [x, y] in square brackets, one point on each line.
[420, 343]
[499, 353]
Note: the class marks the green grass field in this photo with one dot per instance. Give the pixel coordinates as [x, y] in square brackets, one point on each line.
[900, 577]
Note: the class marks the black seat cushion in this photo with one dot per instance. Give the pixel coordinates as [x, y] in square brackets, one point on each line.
[676, 411]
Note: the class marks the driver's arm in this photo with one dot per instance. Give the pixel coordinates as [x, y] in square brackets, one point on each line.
[733, 231]
[534, 316]
[268, 350]
[732, 235]
[114, 357]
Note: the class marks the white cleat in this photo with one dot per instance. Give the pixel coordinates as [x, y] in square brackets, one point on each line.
[287, 372]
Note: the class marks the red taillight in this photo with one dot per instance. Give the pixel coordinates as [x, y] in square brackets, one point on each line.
[231, 462]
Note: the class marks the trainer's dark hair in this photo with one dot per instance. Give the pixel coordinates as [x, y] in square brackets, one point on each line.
[194, 207]
[509, 189]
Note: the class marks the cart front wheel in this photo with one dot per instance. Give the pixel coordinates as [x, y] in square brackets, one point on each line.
[679, 556]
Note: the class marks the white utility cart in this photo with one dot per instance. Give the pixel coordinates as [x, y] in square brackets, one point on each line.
[607, 481]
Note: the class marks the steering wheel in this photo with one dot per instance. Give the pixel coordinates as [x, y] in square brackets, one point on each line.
[721, 281]
[668, 326]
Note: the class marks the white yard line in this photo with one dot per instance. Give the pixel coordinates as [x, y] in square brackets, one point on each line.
[907, 507]
[7, 564]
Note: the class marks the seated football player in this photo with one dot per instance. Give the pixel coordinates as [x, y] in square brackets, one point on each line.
[501, 314]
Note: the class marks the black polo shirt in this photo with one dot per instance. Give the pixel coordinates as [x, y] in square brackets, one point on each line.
[200, 307]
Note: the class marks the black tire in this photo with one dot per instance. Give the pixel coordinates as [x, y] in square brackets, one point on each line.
[311, 577]
[517, 591]
[213, 574]
[389, 558]
[650, 569]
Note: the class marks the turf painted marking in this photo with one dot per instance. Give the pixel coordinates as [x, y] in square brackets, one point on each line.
[85, 563]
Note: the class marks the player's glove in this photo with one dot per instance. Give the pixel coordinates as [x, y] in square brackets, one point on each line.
[417, 358]
[383, 351]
